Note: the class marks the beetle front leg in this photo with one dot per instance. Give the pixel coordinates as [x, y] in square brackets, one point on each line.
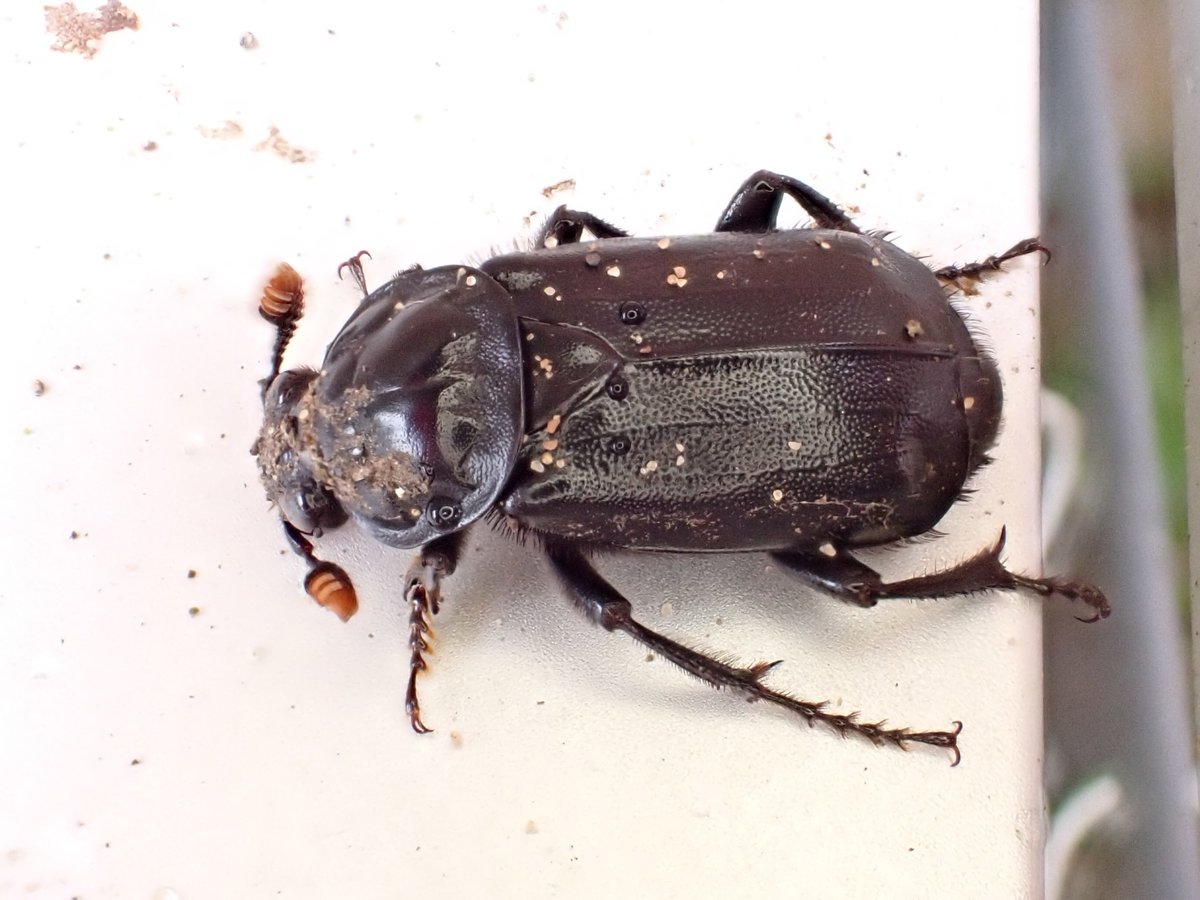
[843, 575]
[603, 604]
[423, 594]
[355, 267]
[565, 226]
[755, 206]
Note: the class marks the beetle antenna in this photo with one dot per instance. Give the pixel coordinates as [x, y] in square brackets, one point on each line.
[282, 304]
[326, 582]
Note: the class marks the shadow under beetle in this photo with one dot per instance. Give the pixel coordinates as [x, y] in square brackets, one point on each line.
[799, 392]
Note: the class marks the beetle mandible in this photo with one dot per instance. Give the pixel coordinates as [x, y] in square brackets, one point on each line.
[800, 392]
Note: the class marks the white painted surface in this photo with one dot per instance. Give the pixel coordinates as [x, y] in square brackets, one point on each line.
[272, 754]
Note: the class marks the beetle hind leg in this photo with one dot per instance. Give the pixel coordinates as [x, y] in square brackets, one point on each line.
[843, 575]
[965, 277]
[755, 206]
[601, 602]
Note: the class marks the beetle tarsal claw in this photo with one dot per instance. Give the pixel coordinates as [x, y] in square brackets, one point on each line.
[758, 670]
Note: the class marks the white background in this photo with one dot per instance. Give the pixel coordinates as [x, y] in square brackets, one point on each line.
[259, 747]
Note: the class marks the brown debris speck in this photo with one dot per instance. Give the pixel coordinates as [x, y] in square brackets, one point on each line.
[39, 387]
[80, 32]
[565, 185]
[191, 573]
[277, 144]
[248, 41]
[552, 425]
[226, 132]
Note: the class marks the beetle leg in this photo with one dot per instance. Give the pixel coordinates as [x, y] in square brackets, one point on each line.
[565, 226]
[845, 576]
[423, 594]
[601, 602]
[755, 206]
[354, 264]
[964, 277]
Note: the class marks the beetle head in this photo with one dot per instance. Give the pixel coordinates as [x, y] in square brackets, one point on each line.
[284, 463]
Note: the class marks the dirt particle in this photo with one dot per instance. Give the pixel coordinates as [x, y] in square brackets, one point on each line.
[565, 185]
[280, 146]
[191, 573]
[248, 41]
[80, 32]
[39, 387]
[229, 131]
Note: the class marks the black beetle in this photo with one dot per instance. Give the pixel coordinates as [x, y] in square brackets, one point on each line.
[800, 392]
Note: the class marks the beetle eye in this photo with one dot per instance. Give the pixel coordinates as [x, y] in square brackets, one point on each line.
[443, 512]
[632, 313]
